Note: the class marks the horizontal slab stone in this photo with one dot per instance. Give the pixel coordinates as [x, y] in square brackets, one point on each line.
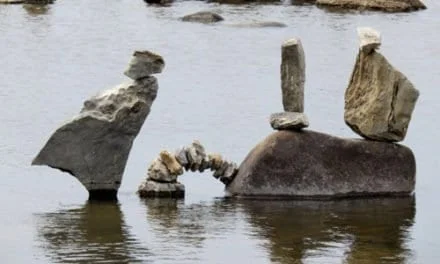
[312, 165]
[380, 5]
[289, 120]
[151, 188]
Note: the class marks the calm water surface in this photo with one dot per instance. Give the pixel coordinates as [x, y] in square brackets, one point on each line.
[220, 85]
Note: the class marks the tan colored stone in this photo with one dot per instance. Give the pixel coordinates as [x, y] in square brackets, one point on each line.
[379, 99]
[382, 5]
[216, 161]
[171, 163]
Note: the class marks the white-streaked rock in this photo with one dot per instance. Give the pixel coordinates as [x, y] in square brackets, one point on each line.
[369, 38]
[153, 189]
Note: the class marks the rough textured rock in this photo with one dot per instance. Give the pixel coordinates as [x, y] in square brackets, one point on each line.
[293, 75]
[309, 164]
[158, 171]
[216, 161]
[159, 189]
[381, 5]
[195, 154]
[203, 17]
[379, 100]
[171, 163]
[94, 145]
[180, 155]
[370, 39]
[289, 121]
[143, 64]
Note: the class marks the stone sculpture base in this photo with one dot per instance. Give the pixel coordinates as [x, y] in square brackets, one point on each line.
[312, 165]
[154, 189]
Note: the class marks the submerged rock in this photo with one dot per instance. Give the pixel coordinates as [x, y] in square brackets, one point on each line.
[289, 121]
[203, 17]
[381, 5]
[12, 1]
[260, 24]
[95, 144]
[307, 164]
[379, 99]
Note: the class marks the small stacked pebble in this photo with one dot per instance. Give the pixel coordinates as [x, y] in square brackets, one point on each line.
[162, 174]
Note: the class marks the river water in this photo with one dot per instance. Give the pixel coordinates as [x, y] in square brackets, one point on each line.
[219, 85]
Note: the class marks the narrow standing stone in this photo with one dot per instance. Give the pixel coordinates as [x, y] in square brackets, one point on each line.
[293, 75]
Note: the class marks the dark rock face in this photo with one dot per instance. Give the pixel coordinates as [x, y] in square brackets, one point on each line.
[95, 144]
[308, 164]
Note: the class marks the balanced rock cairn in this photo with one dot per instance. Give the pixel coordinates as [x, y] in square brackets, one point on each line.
[292, 85]
[379, 99]
[162, 174]
[94, 145]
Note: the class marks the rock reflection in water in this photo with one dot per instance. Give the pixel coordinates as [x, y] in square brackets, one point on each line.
[35, 10]
[356, 231]
[94, 233]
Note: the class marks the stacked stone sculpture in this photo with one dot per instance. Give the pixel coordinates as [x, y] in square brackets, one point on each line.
[161, 180]
[379, 102]
[95, 144]
[293, 77]
[379, 99]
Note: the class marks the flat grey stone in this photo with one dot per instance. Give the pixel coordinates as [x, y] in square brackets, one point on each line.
[229, 174]
[143, 64]
[195, 154]
[289, 121]
[221, 171]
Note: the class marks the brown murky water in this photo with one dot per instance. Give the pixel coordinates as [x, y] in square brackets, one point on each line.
[219, 85]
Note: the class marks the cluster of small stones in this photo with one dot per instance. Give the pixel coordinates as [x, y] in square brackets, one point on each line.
[293, 77]
[162, 174]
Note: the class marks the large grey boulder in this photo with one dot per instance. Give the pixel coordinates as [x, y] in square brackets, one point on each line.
[381, 5]
[307, 164]
[379, 99]
[203, 17]
[95, 144]
[293, 75]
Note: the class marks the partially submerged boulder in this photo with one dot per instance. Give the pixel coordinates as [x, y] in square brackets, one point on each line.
[203, 17]
[381, 5]
[312, 165]
[260, 24]
[95, 144]
[379, 99]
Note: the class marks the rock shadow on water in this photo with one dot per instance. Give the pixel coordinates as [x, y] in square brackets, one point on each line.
[93, 233]
[356, 231]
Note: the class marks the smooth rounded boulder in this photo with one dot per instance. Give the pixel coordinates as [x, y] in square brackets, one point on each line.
[312, 165]
[203, 17]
